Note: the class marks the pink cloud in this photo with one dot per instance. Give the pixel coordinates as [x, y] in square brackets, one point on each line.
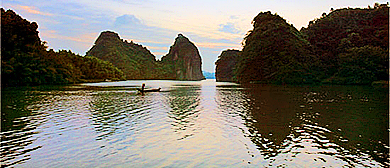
[159, 53]
[158, 48]
[33, 10]
[83, 38]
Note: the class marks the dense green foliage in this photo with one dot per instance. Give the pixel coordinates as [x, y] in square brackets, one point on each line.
[134, 60]
[352, 44]
[25, 60]
[361, 65]
[275, 52]
[225, 65]
[346, 46]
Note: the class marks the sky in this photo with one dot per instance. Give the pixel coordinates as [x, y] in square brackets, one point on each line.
[212, 25]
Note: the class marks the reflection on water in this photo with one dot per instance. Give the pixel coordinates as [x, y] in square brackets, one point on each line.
[195, 124]
[313, 126]
[16, 129]
[116, 111]
[184, 101]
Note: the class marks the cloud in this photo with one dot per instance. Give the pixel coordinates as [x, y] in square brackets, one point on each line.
[158, 48]
[127, 21]
[33, 10]
[78, 42]
[76, 36]
[228, 28]
[133, 28]
[159, 54]
[233, 17]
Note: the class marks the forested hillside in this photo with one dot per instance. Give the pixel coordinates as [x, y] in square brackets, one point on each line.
[352, 44]
[275, 52]
[26, 61]
[133, 59]
[346, 46]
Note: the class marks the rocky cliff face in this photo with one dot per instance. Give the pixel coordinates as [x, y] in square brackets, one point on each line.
[225, 65]
[183, 60]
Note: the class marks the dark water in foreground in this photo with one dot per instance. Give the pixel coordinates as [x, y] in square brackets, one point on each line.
[195, 124]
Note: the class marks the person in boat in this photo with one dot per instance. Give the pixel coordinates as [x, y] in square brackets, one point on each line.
[143, 87]
[147, 90]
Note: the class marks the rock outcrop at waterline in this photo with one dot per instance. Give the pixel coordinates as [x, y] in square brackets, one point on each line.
[225, 65]
[184, 60]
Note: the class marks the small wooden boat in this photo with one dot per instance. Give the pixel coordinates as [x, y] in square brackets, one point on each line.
[148, 90]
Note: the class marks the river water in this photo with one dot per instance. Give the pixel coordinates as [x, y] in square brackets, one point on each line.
[194, 124]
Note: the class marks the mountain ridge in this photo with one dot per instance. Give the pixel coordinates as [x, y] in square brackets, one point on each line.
[183, 61]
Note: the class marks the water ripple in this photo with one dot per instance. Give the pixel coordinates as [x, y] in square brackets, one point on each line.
[194, 124]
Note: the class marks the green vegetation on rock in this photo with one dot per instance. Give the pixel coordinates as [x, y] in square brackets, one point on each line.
[183, 61]
[225, 65]
[352, 44]
[346, 46]
[361, 65]
[134, 60]
[275, 52]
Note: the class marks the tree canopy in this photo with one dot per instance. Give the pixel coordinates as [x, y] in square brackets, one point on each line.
[346, 46]
[352, 41]
[275, 52]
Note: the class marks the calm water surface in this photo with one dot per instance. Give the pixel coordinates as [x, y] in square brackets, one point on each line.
[194, 124]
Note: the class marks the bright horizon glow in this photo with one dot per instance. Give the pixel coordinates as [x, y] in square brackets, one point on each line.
[213, 26]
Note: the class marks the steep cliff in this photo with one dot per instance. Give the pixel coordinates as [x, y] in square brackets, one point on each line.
[134, 60]
[183, 60]
[275, 52]
[225, 65]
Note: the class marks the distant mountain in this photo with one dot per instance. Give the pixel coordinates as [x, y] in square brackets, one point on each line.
[136, 61]
[209, 75]
[183, 61]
